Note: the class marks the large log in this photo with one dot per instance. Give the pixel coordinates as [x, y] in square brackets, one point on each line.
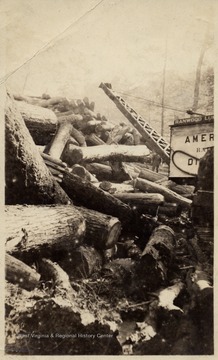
[102, 231]
[20, 273]
[157, 257]
[61, 282]
[28, 180]
[101, 171]
[60, 139]
[36, 231]
[41, 122]
[169, 195]
[103, 153]
[86, 194]
[151, 175]
[135, 199]
[83, 173]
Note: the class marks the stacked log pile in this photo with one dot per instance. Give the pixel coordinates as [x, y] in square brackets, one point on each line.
[89, 227]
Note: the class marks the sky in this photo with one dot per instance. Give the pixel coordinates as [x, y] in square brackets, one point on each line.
[68, 47]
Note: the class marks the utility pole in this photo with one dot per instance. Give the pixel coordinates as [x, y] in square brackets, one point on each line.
[163, 88]
[206, 44]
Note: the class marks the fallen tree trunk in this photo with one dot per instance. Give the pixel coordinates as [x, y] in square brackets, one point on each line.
[28, 180]
[135, 199]
[19, 273]
[36, 231]
[102, 231]
[103, 153]
[41, 122]
[86, 194]
[169, 195]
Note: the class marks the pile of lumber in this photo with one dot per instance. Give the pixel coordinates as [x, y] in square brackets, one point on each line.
[84, 210]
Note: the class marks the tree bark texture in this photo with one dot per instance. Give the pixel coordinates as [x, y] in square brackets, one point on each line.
[20, 273]
[28, 180]
[169, 195]
[86, 194]
[41, 122]
[102, 231]
[36, 231]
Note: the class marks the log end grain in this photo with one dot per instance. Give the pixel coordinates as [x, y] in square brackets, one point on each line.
[114, 230]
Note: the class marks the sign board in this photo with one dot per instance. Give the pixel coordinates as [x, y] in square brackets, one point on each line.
[189, 142]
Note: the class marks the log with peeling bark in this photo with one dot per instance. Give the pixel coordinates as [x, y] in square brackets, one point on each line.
[28, 180]
[36, 231]
[20, 273]
[104, 153]
[157, 257]
[169, 195]
[86, 194]
[102, 231]
[135, 199]
[83, 173]
[41, 122]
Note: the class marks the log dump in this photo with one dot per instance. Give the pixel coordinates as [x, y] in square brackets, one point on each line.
[102, 255]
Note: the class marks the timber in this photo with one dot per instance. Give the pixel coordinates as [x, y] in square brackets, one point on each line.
[93, 139]
[86, 194]
[105, 152]
[36, 231]
[83, 173]
[41, 122]
[102, 231]
[85, 261]
[20, 273]
[151, 175]
[53, 271]
[60, 139]
[28, 180]
[136, 199]
[157, 257]
[101, 171]
[169, 195]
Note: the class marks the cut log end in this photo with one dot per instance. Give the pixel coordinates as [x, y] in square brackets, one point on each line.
[114, 230]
